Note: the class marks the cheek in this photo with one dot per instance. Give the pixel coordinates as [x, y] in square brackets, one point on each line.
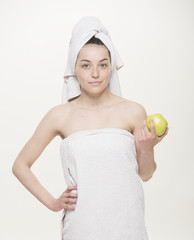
[107, 74]
[82, 76]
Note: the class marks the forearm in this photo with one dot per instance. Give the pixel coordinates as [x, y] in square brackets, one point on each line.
[147, 165]
[29, 180]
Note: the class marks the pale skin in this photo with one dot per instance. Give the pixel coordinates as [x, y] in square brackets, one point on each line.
[95, 108]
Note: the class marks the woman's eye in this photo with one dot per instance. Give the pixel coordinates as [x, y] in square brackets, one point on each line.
[85, 66]
[103, 65]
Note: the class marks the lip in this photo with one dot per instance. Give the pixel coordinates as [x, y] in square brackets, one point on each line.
[95, 82]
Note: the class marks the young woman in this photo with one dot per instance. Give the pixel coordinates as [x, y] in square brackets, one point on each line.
[106, 146]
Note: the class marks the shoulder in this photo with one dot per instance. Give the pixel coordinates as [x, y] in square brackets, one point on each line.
[134, 108]
[57, 114]
[56, 117]
[59, 110]
[135, 114]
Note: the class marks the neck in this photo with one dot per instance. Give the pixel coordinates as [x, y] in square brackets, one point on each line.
[94, 102]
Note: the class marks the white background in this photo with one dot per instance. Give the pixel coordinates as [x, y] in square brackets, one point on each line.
[155, 40]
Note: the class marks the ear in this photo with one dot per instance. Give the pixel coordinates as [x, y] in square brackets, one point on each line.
[75, 72]
[75, 69]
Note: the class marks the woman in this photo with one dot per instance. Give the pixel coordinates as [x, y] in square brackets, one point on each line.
[106, 147]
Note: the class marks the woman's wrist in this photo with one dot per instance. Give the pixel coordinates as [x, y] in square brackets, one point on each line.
[147, 151]
[51, 204]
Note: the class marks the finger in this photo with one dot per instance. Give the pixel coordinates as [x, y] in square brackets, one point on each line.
[72, 194]
[70, 188]
[145, 129]
[138, 135]
[152, 127]
[145, 124]
[72, 207]
[163, 135]
[166, 132]
[140, 132]
[69, 202]
[72, 200]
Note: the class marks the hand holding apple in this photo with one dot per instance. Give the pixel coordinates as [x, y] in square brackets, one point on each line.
[151, 132]
[160, 123]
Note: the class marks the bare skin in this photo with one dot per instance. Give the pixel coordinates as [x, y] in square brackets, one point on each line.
[95, 108]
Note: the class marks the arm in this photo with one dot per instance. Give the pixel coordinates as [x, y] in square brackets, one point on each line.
[145, 141]
[45, 132]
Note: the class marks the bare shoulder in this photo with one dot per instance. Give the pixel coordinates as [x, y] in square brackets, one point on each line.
[56, 117]
[132, 110]
[58, 111]
[137, 110]
[135, 114]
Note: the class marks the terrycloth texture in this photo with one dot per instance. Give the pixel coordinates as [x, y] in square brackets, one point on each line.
[85, 29]
[110, 205]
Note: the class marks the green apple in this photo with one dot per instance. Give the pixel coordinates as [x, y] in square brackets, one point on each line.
[160, 123]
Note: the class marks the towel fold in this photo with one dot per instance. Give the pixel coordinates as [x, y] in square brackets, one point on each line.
[83, 31]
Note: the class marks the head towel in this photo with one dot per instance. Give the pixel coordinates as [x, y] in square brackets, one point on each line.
[85, 29]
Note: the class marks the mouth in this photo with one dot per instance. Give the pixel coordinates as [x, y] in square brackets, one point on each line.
[95, 82]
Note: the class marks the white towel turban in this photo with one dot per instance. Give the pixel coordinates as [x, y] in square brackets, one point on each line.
[85, 29]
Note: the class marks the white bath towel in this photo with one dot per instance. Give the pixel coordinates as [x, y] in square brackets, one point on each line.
[85, 29]
[110, 204]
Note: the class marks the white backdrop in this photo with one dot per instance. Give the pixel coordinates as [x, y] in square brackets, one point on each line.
[155, 40]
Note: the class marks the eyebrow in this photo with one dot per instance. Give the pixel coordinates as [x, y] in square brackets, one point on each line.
[85, 60]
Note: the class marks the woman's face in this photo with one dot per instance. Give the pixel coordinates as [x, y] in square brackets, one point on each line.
[93, 65]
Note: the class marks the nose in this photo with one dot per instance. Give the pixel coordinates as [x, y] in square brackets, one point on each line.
[95, 72]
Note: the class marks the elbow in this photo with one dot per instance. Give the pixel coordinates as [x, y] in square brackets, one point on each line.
[14, 169]
[147, 177]
[17, 168]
